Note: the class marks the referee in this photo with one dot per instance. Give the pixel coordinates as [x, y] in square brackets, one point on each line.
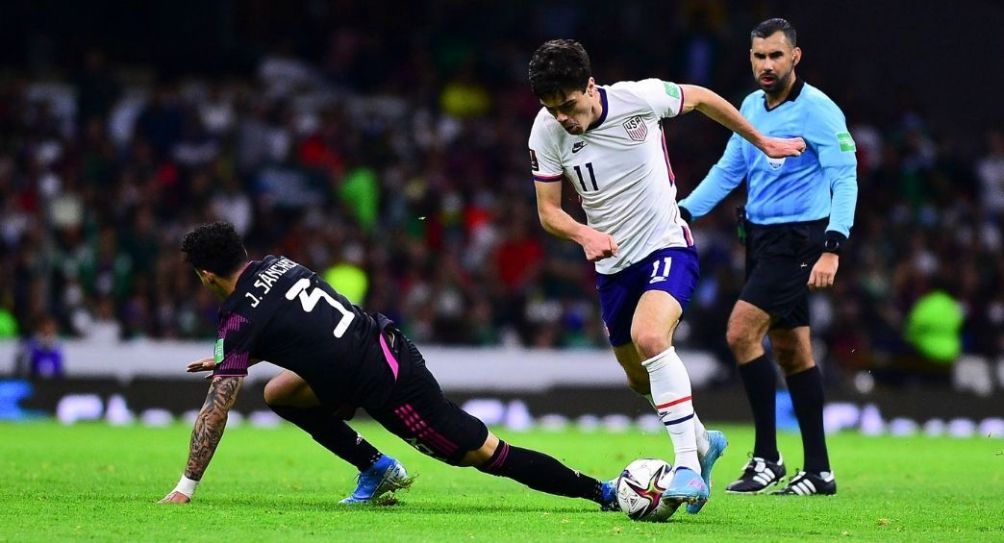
[799, 211]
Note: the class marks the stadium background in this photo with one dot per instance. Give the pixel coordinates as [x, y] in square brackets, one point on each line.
[384, 144]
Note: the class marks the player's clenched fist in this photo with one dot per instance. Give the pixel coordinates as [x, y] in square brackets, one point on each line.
[598, 245]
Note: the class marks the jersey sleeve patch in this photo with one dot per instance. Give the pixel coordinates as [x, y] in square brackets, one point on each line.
[534, 163]
[846, 142]
[218, 351]
[232, 349]
[672, 89]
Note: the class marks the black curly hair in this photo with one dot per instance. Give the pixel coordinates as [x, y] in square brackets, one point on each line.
[559, 66]
[214, 247]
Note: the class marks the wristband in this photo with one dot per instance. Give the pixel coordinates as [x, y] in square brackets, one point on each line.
[833, 242]
[186, 486]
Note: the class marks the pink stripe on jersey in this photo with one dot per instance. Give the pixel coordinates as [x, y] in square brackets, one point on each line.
[686, 234]
[235, 362]
[665, 154]
[547, 178]
[426, 434]
[388, 356]
[232, 324]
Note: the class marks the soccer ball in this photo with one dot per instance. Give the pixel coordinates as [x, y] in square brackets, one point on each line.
[640, 488]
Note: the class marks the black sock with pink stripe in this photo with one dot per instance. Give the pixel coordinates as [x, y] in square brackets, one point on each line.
[541, 472]
[331, 432]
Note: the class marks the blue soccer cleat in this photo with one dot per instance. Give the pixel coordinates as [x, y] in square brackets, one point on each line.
[687, 486]
[608, 493]
[715, 451]
[384, 476]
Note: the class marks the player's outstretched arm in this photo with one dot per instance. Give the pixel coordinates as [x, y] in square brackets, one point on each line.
[206, 434]
[557, 222]
[721, 111]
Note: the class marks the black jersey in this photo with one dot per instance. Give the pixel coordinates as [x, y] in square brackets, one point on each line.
[282, 312]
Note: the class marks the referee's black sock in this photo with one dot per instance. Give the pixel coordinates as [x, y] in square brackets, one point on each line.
[806, 388]
[760, 380]
[331, 432]
[541, 472]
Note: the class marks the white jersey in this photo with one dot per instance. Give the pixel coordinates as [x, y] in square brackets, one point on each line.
[620, 168]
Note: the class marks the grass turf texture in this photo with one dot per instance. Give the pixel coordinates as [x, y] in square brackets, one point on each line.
[100, 483]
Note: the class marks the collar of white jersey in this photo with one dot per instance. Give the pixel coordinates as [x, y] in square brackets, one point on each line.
[603, 114]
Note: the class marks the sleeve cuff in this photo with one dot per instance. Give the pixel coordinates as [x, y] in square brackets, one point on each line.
[836, 236]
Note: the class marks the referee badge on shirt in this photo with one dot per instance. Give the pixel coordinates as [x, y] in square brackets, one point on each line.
[775, 163]
[636, 128]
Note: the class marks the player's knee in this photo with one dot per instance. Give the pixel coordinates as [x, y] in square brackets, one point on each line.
[275, 393]
[650, 342]
[739, 338]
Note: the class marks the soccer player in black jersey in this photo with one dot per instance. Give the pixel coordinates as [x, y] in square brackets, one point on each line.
[337, 358]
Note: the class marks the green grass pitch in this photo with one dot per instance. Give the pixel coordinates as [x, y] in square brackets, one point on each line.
[93, 482]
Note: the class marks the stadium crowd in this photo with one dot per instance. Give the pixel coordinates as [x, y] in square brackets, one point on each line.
[401, 173]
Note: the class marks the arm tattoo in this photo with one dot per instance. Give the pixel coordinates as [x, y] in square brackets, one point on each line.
[210, 424]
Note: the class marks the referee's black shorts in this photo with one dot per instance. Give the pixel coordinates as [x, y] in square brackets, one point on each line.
[779, 258]
[418, 412]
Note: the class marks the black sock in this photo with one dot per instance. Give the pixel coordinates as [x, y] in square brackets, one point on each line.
[760, 380]
[541, 472]
[806, 388]
[332, 433]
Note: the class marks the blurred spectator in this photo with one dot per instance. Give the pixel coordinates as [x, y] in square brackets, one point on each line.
[8, 324]
[933, 327]
[348, 276]
[990, 170]
[41, 356]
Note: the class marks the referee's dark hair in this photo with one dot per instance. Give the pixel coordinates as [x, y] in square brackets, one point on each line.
[770, 26]
[559, 66]
[214, 247]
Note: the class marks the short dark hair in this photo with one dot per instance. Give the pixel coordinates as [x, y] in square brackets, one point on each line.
[777, 24]
[214, 247]
[559, 66]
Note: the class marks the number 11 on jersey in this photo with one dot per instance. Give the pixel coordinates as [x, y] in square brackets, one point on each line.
[592, 177]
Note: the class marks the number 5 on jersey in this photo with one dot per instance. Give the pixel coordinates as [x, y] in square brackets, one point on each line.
[309, 301]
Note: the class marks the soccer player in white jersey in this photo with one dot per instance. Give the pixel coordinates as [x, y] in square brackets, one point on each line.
[608, 142]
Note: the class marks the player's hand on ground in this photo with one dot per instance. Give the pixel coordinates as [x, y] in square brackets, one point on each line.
[202, 364]
[175, 497]
[783, 147]
[598, 245]
[824, 271]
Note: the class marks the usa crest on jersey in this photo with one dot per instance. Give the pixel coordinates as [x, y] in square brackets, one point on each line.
[636, 128]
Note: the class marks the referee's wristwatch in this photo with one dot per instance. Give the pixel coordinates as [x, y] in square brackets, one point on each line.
[833, 242]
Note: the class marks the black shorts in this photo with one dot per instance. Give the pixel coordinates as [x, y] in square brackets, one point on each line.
[416, 410]
[779, 259]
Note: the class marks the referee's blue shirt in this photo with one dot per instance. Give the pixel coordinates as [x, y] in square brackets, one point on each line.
[820, 183]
